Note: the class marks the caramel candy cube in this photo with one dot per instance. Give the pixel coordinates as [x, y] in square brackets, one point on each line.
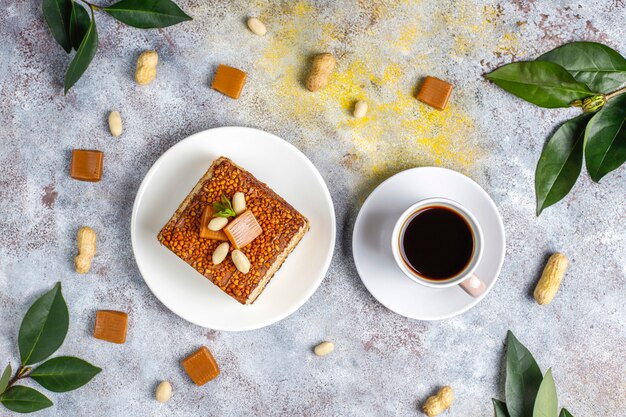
[205, 233]
[229, 81]
[111, 326]
[86, 165]
[435, 92]
[201, 366]
[243, 230]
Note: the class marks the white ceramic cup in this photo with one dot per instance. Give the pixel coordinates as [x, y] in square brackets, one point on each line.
[466, 278]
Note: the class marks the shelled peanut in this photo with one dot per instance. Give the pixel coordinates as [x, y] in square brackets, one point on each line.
[324, 348]
[163, 392]
[360, 109]
[241, 261]
[220, 253]
[256, 26]
[239, 202]
[217, 223]
[115, 123]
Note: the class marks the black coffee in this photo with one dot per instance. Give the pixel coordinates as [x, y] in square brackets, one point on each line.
[437, 243]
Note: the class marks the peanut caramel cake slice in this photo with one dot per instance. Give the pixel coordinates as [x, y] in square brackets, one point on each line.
[254, 227]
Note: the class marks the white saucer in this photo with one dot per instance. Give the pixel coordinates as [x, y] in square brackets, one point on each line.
[273, 161]
[371, 239]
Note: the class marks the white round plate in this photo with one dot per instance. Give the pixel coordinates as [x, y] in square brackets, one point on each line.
[273, 161]
[371, 242]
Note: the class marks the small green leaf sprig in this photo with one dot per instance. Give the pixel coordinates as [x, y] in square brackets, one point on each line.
[223, 208]
[74, 28]
[42, 332]
[528, 393]
[587, 75]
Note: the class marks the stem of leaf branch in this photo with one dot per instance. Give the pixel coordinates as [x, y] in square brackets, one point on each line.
[91, 5]
[616, 93]
[21, 373]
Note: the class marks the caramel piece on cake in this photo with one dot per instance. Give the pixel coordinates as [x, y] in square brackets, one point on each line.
[243, 230]
[111, 326]
[229, 81]
[201, 366]
[282, 228]
[435, 92]
[205, 232]
[86, 165]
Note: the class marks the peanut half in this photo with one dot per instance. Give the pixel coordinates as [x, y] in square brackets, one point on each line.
[239, 202]
[115, 123]
[439, 402]
[146, 67]
[220, 253]
[256, 26]
[324, 348]
[360, 109]
[241, 261]
[551, 278]
[217, 223]
[321, 68]
[163, 392]
[86, 242]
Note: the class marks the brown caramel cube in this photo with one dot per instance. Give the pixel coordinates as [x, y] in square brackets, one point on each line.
[111, 326]
[435, 92]
[201, 366]
[229, 81]
[86, 165]
[243, 230]
[205, 233]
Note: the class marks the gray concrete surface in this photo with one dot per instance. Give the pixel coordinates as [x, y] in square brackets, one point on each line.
[384, 364]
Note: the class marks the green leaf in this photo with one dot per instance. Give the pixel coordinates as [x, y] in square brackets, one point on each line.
[540, 82]
[5, 378]
[24, 399]
[146, 14]
[499, 408]
[64, 373]
[523, 378]
[44, 327]
[223, 208]
[605, 139]
[546, 404]
[79, 24]
[603, 69]
[85, 53]
[565, 413]
[57, 15]
[560, 162]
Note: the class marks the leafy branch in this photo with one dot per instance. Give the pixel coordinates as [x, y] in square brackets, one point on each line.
[528, 393]
[42, 332]
[588, 75]
[74, 27]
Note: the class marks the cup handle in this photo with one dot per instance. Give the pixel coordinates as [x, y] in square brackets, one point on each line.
[474, 286]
